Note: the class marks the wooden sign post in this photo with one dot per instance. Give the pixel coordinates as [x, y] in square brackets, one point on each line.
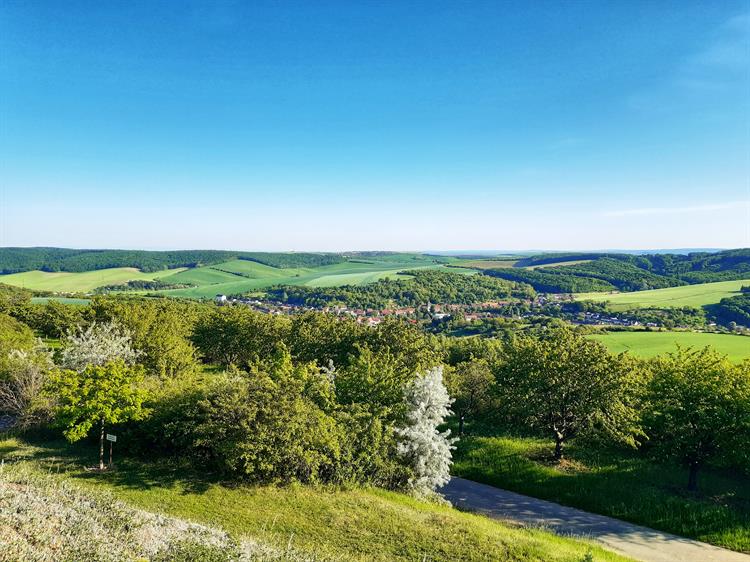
[112, 440]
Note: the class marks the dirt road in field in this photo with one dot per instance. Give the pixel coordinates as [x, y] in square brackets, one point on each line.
[631, 540]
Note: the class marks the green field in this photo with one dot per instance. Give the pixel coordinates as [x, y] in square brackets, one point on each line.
[484, 264]
[66, 282]
[235, 276]
[324, 523]
[240, 276]
[688, 295]
[650, 344]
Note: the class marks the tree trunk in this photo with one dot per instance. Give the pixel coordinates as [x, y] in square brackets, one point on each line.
[693, 477]
[101, 447]
[558, 448]
[461, 425]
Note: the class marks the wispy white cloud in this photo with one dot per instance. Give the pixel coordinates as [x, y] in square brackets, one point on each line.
[720, 66]
[678, 210]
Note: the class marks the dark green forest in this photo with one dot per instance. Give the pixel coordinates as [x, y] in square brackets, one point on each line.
[625, 272]
[423, 286]
[16, 260]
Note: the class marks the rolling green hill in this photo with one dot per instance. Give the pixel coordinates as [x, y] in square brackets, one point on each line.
[67, 282]
[687, 295]
[650, 344]
[233, 276]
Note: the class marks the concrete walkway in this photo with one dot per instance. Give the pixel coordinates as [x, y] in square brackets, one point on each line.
[631, 540]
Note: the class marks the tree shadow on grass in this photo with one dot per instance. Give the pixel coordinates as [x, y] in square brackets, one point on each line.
[76, 460]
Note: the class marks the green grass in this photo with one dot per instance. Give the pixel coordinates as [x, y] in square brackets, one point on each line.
[66, 282]
[619, 484]
[650, 344]
[331, 523]
[688, 295]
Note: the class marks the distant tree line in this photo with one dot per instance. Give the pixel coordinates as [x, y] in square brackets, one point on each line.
[14, 260]
[141, 285]
[730, 310]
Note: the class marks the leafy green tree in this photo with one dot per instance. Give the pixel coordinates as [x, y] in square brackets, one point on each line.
[160, 330]
[470, 385]
[14, 335]
[699, 409]
[99, 394]
[236, 335]
[267, 425]
[374, 380]
[565, 384]
[13, 298]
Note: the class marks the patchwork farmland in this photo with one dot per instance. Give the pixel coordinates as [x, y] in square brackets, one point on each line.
[232, 277]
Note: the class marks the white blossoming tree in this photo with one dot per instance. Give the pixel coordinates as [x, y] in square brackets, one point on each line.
[97, 345]
[420, 441]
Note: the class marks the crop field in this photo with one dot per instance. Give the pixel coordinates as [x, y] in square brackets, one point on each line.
[240, 277]
[688, 295]
[650, 344]
[559, 264]
[484, 264]
[66, 282]
[235, 276]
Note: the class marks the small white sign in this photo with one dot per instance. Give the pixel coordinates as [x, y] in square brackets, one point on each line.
[112, 438]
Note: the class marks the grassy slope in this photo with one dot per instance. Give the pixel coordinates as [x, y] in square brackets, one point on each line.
[688, 295]
[650, 344]
[331, 523]
[67, 282]
[617, 484]
[346, 273]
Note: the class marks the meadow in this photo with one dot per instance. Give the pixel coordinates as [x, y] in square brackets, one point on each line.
[687, 295]
[650, 344]
[621, 484]
[326, 523]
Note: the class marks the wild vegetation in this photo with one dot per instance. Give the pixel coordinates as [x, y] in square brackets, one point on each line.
[315, 399]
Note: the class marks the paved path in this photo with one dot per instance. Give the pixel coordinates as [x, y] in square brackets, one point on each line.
[631, 540]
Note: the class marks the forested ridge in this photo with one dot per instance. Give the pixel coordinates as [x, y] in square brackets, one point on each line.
[626, 272]
[420, 288]
[16, 260]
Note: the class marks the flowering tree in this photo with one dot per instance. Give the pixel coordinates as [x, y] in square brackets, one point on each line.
[97, 345]
[427, 448]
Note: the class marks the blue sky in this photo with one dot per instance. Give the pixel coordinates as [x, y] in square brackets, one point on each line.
[375, 125]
